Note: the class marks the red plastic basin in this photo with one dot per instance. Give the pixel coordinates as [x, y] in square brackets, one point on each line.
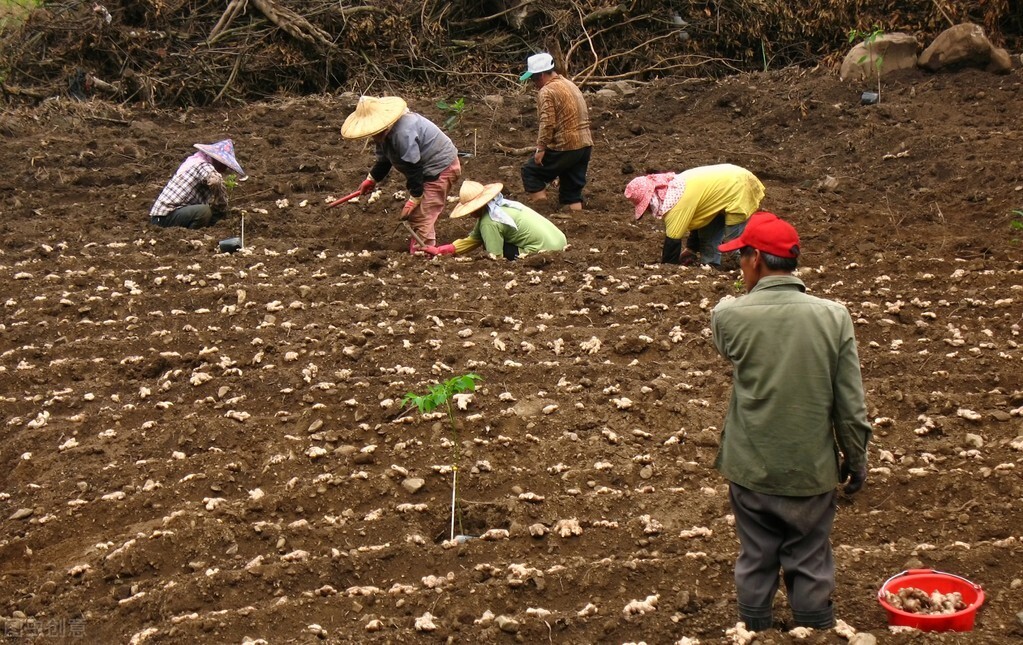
[929, 581]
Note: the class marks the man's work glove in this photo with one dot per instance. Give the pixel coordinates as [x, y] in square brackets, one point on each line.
[411, 205]
[447, 249]
[367, 185]
[856, 478]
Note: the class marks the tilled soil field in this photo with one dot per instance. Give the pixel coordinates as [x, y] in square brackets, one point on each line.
[209, 447]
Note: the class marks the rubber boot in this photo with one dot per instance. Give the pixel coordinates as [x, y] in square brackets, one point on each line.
[820, 619]
[757, 619]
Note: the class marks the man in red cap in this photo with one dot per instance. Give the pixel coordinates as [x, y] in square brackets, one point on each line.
[796, 426]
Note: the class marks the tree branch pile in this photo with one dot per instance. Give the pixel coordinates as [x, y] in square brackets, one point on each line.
[200, 52]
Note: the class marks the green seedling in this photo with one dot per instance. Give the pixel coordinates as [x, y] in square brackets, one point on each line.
[440, 395]
[739, 286]
[1016, 224]
[454, 111]
[231, 181]
[877, 62]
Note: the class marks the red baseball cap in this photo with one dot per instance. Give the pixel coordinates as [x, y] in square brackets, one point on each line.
[768, 233]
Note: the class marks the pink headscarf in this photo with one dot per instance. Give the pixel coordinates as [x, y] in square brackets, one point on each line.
[662, 191]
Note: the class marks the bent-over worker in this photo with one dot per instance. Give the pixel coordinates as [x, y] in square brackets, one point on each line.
[709, 203]
[418, 149]
[503, 227]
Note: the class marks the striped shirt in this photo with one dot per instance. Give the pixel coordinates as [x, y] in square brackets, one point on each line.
[195, 182]
[564, 118]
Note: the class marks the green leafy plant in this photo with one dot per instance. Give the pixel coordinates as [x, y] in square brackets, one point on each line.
[876, 61]
[739, 286]
[1016, 224]
[231, 181]
[454, 111]
[440, 395]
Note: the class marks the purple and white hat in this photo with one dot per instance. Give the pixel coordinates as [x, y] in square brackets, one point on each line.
[222, 151]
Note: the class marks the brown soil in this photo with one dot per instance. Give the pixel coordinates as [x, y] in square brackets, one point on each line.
[150, 385]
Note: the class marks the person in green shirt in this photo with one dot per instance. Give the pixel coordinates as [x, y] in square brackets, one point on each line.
[796, 426]
[503, 227]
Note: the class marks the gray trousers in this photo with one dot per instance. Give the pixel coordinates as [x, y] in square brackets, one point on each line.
[791, 534]
[195, 216]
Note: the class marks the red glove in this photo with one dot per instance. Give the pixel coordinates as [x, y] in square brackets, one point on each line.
[409, 207]
[367, 185]
[447, 249]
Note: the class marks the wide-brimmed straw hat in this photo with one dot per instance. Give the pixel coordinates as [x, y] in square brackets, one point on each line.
[473, 196]
[222, 151]
[372, 116]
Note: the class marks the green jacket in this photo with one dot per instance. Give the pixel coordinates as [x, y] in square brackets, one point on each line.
[797, 397]
[534, 233]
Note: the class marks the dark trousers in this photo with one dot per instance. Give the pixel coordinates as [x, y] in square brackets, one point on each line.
[792, 534]
[568, 167]
[194, 216]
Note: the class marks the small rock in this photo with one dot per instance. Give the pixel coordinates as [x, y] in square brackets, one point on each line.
[646, 472]
[507, 625]
[21, 513]
[828, 184]
[863, 638]
[493, 100]
[413, 484]
[973, 440]
[363, 458]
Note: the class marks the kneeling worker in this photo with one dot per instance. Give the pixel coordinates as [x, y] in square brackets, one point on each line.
[503, 227]
[196, 196]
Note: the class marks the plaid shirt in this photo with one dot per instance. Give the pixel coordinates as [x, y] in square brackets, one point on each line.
[195, 182]
[564, 118]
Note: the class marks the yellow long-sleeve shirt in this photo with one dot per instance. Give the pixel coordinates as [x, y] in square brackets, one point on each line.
[710, 190]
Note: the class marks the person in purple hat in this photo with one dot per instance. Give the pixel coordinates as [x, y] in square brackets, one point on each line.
[196, 197]
[796, 426]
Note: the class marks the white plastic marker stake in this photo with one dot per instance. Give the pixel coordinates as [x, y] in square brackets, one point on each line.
[454, 487]
[474, 143]
[243, 230]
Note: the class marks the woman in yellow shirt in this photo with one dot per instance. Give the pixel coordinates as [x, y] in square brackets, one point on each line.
[710, 203]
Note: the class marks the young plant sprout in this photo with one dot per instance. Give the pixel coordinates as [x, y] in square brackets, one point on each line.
[441, 395]
[454, 109]
[877, 62]
[1016, 224]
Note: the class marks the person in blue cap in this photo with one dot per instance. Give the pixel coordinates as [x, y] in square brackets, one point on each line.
[196, 196]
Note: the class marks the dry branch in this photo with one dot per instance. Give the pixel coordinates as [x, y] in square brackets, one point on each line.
[180, 52]
[293, 23]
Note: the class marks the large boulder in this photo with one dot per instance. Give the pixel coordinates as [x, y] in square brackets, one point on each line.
[884, 54]
[965, 44]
